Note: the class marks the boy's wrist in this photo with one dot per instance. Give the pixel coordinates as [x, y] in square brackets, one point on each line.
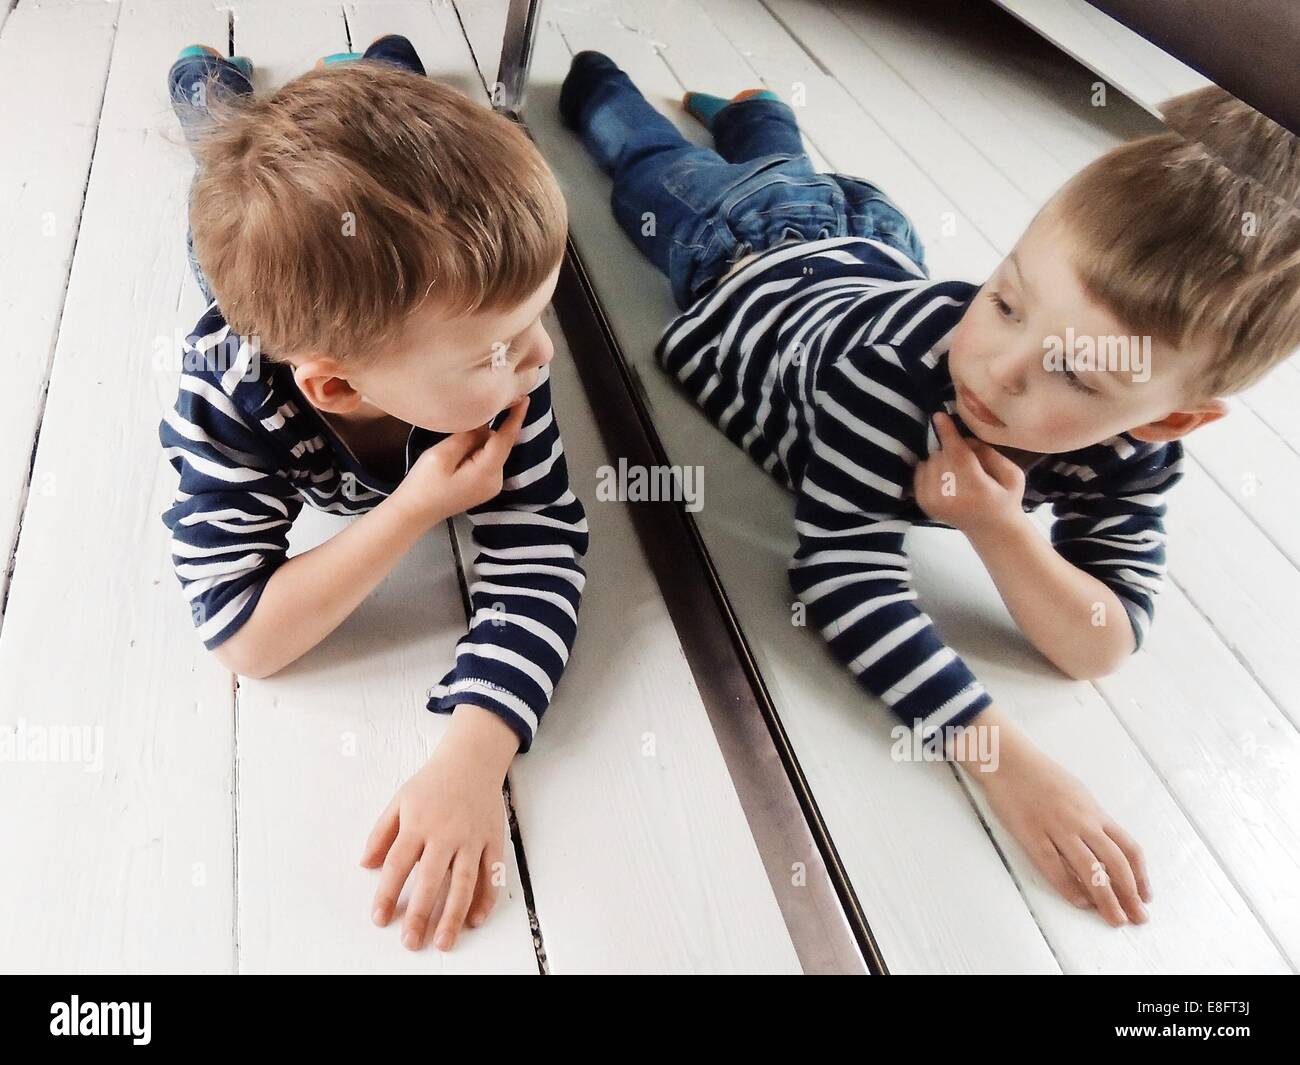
[999, 530]
[414, 512]
[1004, 744]
[480, 736]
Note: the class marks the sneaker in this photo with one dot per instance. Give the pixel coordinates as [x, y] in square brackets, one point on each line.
[242, 62]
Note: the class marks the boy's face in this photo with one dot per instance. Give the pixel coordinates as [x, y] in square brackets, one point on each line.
[443, 374]
[1039, 366]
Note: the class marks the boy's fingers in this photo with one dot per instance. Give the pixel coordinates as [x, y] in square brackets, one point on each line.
[996, 464]
[455, 448]
[958, 455]
[485, 894]
[1050, 864]
[465, 445]
[514, 420]
[1121, 876]
[424, 896]
[381, 836]
[464, 874]
[503, 439]
[949, 435]
[402, 857]
[1095, 881]
[1135, 857]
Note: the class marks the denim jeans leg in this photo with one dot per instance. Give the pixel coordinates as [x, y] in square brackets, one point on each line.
[871, 213]
[644, 153]
[750, 129]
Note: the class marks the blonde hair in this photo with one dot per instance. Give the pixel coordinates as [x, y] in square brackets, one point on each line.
[325, 213]
[1193, 235]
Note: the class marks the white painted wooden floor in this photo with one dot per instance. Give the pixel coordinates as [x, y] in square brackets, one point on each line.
[216, 825]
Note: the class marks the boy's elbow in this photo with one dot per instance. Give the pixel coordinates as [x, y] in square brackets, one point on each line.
[1093, 668]
[234, 657]
[1098, 654]
[1088, 670]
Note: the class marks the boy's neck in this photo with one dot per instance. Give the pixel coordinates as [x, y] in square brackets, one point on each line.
[366, 413]
[1022, 458]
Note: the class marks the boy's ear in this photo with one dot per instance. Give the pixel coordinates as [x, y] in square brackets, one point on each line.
[318, 379]
[1180, 422]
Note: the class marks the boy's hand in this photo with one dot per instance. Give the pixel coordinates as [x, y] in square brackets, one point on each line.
[449, 818]
[1086, 856]
[968, 484]
[461, 471]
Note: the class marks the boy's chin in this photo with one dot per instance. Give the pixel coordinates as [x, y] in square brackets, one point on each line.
[998, 436]
[1006, 436]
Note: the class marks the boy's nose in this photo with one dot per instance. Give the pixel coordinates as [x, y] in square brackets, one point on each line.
[538, 357]
[1007, 372]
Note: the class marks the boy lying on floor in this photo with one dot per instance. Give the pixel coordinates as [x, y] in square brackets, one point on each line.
[377, 250]
[813, 337]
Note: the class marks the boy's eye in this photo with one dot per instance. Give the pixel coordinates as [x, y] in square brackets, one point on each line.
[1004, 308]
[1075, 383]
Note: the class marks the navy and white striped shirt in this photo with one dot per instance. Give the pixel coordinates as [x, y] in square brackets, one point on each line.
[825, 361]
[251, 451]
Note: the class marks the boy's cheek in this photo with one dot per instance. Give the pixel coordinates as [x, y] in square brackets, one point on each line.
[964, 341]
[1066, 428]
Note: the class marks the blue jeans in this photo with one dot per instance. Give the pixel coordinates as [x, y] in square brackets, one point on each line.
[188, 87]
[693, 211]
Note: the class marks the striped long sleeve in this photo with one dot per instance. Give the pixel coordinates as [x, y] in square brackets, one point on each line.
[527, 582]
[850, 569]
[1114, 530]
[232, 510]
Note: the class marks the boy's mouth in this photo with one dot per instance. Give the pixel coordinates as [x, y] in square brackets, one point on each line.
[982, 413]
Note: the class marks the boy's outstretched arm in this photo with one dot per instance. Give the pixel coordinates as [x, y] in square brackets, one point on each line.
[445, 824]
[852, 573]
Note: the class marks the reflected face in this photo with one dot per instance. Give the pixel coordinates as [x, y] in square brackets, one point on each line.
[442, 374]
[1038, 365]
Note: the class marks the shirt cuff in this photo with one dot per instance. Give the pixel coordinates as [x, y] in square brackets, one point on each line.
[443, 699]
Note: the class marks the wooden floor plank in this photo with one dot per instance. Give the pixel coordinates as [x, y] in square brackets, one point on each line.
[128, 866]
[47, 143]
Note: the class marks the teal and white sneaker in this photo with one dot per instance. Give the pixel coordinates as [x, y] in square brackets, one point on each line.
[242, 62]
